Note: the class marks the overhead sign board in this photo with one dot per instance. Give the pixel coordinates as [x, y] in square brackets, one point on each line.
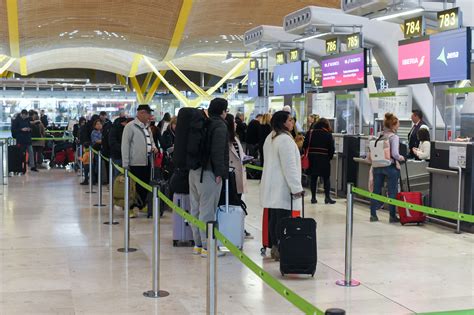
[345, 71]
[332, 46]
[253, 83]
[253, 64]
[295, 55]
[449, 19]
[316, 76]
[354, 41]
[450, 56]
[414, 61]
[414, 27]
[280, 58]
[288, 79]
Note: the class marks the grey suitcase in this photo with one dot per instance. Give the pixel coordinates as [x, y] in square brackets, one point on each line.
[182, 233]
[231, 220]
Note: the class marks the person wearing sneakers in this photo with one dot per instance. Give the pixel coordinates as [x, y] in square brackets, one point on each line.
[137, 147]
[205, 182]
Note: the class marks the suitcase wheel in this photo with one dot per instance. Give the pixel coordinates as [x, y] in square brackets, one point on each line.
[402, 223]
[175, 243]
[263, 251]
[312, 275]
[282, 274]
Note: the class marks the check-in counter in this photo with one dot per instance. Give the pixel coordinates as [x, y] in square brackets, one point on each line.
[451, 180]
[343, 166]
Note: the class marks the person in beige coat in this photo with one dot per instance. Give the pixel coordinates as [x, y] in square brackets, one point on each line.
[281, 178]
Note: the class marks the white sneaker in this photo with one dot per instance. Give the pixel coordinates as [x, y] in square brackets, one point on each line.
[204, 253]
[197, 250]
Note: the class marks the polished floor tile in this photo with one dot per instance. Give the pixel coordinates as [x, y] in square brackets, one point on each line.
[56, 257]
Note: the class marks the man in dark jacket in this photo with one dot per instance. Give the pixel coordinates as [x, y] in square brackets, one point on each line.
[44, 119]
[205, 183]
[115, 141]
[252, 136]
[241, 127]
[21, 130]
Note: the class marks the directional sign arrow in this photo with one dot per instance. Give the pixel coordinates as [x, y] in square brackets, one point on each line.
[293, 78]
[253, 83]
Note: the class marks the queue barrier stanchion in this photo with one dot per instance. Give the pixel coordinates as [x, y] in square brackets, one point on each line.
[348, 281]
[91, 191]
[335, 311]
[458, 222]
[2, 170]
[111, 194]
[81, 166]
[155, 292]
[99, 204]
[126, 247]
[211, 301]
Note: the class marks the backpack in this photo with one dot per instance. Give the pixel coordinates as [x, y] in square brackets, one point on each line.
[191, 149]
[380, 153]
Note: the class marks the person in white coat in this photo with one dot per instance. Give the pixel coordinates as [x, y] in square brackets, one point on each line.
[281, 178]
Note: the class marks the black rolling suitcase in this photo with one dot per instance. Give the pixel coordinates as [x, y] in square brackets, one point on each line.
[298, 251]
[16, 159]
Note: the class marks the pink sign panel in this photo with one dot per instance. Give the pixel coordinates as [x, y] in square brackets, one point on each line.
[414, 61]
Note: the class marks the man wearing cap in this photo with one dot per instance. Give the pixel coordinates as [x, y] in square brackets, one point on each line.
[137, 148]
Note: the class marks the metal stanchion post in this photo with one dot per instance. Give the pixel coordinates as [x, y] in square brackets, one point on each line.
[90, 172]
[111, 194]
[335, 311]
[99, 180]
[211, 304]
[156, 292]
[126, 248]
[348, 282]
[458, 223]
[7, 170]
[2, 148]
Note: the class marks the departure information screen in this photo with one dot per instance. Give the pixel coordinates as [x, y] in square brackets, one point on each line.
[288, 78]
[414, 61]
[344, 71]
[449, 56]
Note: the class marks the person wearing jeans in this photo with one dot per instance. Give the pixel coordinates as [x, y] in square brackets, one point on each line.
[391, 172]
[21, 131]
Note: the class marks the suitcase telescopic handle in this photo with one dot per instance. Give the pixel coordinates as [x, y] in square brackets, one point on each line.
[302, 204]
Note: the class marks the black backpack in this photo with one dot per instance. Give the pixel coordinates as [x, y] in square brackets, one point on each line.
[191, 149]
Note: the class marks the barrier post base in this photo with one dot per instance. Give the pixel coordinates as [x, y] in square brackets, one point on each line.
[344, 283]
[125, 250]
[91, 192]
[156, 294]
[113, 223]
[101, 205]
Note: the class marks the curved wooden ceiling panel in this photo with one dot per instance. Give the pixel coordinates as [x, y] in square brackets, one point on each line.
[144, 27]
[213, 22]
[4, 41]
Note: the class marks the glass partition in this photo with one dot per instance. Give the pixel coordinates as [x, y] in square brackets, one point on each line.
[347, 113]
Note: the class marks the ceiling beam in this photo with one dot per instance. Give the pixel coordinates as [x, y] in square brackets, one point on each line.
[181, 23]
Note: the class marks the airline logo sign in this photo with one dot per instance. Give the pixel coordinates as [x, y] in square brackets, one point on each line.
[449, 56]
[414, 61]
[253, 83]
[288, 79]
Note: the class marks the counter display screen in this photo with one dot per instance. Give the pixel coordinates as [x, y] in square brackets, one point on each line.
[449, 56]
[414, 61]
[288, 79]
[253, 83]
[344, 71]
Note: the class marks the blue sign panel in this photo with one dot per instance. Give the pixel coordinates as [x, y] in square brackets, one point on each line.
[288, 79]
[253, 83]
[449, 56]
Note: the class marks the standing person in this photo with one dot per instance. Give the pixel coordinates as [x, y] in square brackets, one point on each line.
[205, 183]
[321, 152]
[137, 147]
[312, 119]
[252, 136]
[163, 124]
[423, 152]
[96, 141]
[115, 141]
[241, 129]
[104, 119]
[167, 139]
[38, 131]
[391, 172]
[236, 159]
[44, 119]
[264, 130]
[281, 178]
[21, 131]
[418, 123]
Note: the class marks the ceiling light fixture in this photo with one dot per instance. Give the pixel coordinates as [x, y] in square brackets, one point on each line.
[260, 51]
[399, 14]
[303, 39]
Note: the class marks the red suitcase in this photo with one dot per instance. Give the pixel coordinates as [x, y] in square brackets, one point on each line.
[266, 234]
[411, 216]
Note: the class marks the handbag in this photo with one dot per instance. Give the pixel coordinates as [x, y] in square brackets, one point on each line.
[305, 157]
[158, 162]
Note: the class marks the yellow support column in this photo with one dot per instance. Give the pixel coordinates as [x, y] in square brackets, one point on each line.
[179, 29]
[146, 83]
[138, 90]
[154, 87]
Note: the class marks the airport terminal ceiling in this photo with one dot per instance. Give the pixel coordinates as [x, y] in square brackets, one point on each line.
[107, 34]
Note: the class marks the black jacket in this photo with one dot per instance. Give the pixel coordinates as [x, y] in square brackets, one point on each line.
[22, 137]
[321, 151]
[252, 132]
[115, 140]
[167, 139]
[413, 141]
[263, 132]
[241, 129]
[218, 141]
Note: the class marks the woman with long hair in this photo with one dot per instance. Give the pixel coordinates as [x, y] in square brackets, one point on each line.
[281, 177]
[264, 130]
[320, 142]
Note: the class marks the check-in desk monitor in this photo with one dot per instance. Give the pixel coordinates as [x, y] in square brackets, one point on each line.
[448, 160]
